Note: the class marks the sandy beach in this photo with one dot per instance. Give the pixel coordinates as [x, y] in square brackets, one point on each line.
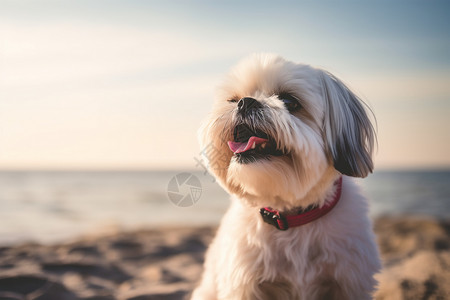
[166, 263]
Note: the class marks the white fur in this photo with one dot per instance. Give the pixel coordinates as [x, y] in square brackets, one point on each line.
[334, 257]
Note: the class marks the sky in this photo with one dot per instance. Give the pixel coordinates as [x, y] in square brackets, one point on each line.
[125, 84]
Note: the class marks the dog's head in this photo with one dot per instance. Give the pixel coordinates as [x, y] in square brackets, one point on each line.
[277, 128]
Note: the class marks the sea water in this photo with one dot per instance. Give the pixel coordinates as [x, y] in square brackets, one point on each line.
[54, 206]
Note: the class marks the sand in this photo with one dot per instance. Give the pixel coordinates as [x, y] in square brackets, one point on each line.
[416, 258]
[166, 263]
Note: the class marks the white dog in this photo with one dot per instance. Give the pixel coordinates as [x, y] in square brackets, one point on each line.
[280, 139]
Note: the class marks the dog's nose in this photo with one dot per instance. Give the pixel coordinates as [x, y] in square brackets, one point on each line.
[247, 104]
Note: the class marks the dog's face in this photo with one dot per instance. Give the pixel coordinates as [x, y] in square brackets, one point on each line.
[277, 128]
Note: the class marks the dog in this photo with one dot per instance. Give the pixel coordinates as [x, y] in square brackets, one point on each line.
[284, 140]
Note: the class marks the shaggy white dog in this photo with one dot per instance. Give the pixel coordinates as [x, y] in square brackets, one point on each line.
[281, 138]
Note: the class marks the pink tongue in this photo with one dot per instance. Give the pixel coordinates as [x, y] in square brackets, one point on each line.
[237, 147]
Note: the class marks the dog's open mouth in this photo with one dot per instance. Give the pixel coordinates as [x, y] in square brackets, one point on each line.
[249, 145]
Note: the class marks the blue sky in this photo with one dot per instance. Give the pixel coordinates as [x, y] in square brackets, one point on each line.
[124, 84]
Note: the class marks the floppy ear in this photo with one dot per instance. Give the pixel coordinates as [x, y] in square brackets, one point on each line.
[348, 131]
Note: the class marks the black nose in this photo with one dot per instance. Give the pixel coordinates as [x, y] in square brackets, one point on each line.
[246, 104]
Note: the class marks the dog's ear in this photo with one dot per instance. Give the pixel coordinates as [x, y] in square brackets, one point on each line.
[347, 128]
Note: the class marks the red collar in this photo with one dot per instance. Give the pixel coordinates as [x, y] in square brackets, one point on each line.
[283, 222]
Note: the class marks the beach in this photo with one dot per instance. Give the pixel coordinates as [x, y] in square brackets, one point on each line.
[166, 263]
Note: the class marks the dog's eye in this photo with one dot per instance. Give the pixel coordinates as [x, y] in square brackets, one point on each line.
[232, 100]
[290, 102]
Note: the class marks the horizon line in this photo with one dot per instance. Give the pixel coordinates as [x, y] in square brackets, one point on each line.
[190, 169]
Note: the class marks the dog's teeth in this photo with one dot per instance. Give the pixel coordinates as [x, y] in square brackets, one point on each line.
[263, 145]
[254, 145]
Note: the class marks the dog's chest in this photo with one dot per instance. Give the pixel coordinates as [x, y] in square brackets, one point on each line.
[283, 254]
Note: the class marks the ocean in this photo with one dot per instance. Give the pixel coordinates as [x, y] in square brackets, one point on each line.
[54, 206]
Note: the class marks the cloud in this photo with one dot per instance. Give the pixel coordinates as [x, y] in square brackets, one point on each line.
[49, 54]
